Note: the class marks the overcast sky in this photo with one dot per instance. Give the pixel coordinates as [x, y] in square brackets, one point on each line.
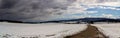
[44, 10]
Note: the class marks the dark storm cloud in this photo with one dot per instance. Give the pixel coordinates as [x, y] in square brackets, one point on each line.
[25, 10]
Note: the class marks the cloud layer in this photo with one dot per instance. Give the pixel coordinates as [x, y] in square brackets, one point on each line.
[44, 10]
[32, 10]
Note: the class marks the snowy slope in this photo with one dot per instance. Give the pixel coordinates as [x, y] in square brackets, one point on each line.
[112, 30]
[49, 30]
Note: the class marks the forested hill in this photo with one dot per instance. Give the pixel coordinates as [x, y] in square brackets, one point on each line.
[87, 20]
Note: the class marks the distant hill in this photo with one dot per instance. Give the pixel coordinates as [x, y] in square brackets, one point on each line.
[89, 20]
[86, 20]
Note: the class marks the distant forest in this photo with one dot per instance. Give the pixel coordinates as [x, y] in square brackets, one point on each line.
[76, 21]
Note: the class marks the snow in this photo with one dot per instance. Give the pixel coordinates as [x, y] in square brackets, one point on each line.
[111, 30]
[48, 30]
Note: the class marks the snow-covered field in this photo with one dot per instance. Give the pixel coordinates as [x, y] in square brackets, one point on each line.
[111, 30]
[48, 30]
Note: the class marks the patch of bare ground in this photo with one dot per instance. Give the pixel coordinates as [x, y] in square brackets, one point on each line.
[90, 32]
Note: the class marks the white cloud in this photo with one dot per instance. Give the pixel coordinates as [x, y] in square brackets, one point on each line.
[107, 15]
[102, 2]
[91, 12]
[75, 8]
[112, 8]
[116, 4]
